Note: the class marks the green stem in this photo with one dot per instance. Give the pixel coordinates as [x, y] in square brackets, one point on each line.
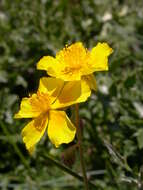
[65, 169]
[79, 137]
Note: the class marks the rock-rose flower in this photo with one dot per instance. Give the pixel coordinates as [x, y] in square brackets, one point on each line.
[53, 94]
[75, 63]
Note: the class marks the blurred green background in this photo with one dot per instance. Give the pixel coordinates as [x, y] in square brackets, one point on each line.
[112, 118]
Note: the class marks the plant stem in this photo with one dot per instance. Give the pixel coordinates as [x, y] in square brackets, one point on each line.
[61, 166]
[79, 137]
[65, 169]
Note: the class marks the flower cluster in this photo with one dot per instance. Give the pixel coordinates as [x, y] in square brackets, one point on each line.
[71, 81]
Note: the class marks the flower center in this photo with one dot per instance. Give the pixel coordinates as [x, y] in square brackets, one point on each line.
[71, 70]
[40, 101]
[39, 122]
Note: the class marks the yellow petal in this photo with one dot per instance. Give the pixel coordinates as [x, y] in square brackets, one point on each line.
[73, 92]
[69, 74]
[90, 79]
[34, 130]
[60, 128]
[31, 150]
[50, 85]
[49, 64]
[99, 57]
[27, 110]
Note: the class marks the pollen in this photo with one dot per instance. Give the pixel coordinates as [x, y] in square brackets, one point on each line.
[72, 56]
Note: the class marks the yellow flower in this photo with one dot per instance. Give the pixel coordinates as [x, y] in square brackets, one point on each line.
[74, 62]
[52, 94]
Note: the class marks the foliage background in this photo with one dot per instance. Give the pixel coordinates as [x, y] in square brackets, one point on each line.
[113, 117]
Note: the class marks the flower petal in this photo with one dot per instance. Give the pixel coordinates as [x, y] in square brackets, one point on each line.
[26, 109]
[49, 64]
[73, 92]
[90, 79]
[34, 130]
[50, 85]
[99, 57]
[60, 128]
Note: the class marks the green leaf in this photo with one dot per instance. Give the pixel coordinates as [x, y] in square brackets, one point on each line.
[3, 77]
[130, 81]
[139, 136]
[113, 90]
